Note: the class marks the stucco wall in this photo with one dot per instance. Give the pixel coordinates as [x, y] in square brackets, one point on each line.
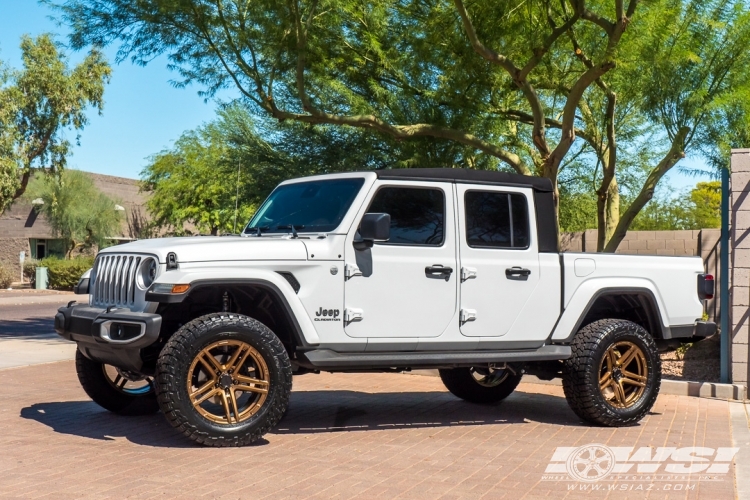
[9, 250]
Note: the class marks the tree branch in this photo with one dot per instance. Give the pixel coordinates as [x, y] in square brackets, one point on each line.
[675, 154]
[519, 77]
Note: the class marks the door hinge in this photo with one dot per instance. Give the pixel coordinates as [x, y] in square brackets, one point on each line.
[351, 271]
[351, 315]
[468, 273]
[468, 315]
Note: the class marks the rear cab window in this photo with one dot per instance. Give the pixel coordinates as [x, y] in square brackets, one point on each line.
[496, 219]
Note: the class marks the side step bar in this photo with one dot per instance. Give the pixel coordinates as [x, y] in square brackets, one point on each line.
[325, 358]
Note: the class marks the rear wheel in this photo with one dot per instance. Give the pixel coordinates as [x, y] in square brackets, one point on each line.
[482, 385]
[614, 375]
[224, 380]
[116, 390]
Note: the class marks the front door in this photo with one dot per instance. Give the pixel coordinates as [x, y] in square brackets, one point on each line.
[405, 287]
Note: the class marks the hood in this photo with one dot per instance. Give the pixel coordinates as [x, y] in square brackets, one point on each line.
[216, 248]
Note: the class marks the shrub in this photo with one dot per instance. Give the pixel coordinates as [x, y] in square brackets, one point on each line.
[29, 271]
[6, 278]
[64, 274]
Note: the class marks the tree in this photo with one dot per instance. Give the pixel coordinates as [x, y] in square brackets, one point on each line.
[511, 82]
[706, 200]
[75, 209]
[37, 104]
[195, 182]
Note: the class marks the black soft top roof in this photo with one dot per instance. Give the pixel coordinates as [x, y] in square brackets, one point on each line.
[540, 184]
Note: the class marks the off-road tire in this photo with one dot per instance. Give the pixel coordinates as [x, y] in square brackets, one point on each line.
[581, 372]
[461, 383]
[102, 392]
[174, 363]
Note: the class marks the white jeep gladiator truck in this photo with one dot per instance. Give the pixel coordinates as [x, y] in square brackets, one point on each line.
[393, 270]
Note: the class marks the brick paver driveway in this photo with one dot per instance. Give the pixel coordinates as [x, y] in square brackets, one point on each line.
[346, 435]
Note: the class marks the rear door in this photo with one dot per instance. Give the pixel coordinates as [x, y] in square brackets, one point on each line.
[499, 259]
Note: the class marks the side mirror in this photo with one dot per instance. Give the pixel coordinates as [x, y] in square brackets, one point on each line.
[374, 227]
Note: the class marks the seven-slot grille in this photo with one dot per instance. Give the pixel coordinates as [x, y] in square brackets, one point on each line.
[115, 279]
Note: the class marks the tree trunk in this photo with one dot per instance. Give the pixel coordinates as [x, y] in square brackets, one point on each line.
[613, 208]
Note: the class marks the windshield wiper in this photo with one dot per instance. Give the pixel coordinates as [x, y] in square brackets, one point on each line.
[258, 229]
[292, 227]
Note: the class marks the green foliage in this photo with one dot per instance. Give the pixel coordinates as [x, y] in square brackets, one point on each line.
[492, 84]
[29, 270]
[697, 209]
[65, 274]
[75, 209]
[706, 198]
[196, 182]
[577, 210]
[38, 104]
[6, 278]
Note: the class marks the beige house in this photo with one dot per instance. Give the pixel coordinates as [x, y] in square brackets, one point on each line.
[23, 230]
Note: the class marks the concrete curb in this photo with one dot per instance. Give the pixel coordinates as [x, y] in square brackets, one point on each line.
[728, 392]
[62, 298]
[740, 439]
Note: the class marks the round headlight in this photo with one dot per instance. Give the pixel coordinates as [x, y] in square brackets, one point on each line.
[147, 273]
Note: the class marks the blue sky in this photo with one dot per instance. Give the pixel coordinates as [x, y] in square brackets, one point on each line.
[143, 112]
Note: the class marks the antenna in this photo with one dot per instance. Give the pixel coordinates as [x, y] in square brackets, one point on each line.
[237, 196]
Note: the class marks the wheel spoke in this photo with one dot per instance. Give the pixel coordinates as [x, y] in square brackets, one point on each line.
[233, 398]
[627, 380]
[225, 404]
[634, 376]
[209, 362]
[619, 393]
[202, 390]
[626, 358]
[233, 359]
[604, 381]
[250, 380]
[610, 357]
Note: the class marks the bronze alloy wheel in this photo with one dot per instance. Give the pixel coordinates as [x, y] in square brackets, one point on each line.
[228, 381]
[623, 374]
[490, 377]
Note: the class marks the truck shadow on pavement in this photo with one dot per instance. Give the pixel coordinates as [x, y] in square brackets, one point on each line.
[312, 412]
[30, 328]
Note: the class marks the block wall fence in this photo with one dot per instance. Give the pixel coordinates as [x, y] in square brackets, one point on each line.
[739, 263]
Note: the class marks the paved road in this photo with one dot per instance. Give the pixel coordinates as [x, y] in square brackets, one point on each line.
[345, 436]
[27, 335]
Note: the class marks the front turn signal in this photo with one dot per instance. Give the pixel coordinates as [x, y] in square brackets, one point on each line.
[180, 288]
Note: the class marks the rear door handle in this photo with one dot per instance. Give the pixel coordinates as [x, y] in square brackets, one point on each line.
[438, 271]
[517, 273]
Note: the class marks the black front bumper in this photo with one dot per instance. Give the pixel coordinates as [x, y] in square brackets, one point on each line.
[96, 332]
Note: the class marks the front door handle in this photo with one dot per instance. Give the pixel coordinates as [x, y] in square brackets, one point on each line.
[438, 271]
[517, 273]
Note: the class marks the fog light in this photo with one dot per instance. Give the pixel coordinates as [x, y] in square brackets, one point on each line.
[120, 332]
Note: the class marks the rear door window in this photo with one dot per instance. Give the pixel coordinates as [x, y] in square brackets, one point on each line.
[496, 220]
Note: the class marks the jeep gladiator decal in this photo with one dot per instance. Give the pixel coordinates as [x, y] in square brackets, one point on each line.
[328, 315]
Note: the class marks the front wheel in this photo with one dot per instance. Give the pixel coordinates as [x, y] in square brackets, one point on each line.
[482, 385]
[224, 380]
[116, 390]
[614, 375]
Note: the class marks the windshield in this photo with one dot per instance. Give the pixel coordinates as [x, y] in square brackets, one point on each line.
[315, 206]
